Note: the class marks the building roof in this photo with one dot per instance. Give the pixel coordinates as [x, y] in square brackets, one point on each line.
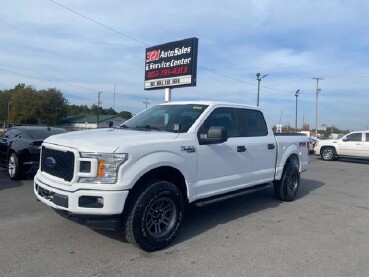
[88, 118]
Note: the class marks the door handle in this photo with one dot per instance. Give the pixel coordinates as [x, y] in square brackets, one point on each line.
[271, 146]
[241, 148]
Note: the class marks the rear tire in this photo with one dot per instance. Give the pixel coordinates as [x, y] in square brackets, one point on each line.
[287, 188]
[154, 217]
[328, 154]
[13, 167]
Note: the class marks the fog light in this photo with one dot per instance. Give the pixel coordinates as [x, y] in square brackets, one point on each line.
[91, 202]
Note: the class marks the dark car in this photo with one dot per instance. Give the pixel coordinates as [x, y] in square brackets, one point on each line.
[20, 148]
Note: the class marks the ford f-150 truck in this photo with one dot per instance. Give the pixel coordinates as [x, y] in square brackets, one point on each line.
[142, 175]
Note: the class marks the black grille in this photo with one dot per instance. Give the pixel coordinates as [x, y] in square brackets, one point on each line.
[62, 164]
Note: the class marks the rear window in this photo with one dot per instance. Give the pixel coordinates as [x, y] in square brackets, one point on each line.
[44, 133]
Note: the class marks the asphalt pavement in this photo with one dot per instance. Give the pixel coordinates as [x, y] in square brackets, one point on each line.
[323, 233]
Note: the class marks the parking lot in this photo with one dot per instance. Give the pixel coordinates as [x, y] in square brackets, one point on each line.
[323, 233]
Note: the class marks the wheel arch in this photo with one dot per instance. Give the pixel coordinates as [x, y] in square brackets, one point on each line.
[164, 173]
[328, 146]
[290, 155]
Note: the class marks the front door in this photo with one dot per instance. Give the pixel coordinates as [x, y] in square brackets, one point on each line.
[221, 166]
[351, 145]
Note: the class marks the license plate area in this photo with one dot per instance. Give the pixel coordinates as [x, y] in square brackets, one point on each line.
[56, 198]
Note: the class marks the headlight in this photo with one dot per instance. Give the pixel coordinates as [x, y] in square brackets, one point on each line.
[107, 167]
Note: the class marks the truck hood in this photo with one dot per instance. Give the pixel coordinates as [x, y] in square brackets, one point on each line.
[107, 140]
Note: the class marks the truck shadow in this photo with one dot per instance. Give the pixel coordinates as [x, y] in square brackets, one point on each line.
[199, 220]
[353, 160]
[6, 182]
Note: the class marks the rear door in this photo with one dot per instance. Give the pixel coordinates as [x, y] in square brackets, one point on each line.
[366, 145]
[260, 146]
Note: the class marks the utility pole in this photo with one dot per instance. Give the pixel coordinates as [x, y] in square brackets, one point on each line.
[115, 84]
[259, 80]
[98, 107]
[9, 113]
[146, 102]
[297, 95]
[316, 104]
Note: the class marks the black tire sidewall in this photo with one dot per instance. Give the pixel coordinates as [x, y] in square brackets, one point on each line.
[289, 172]
[141, 236]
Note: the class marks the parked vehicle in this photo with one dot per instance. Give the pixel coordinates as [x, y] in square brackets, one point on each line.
[20, 148]
[354, 144]
[142, 175]
[312, 142]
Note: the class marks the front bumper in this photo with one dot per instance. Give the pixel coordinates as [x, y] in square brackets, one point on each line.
[82, 201]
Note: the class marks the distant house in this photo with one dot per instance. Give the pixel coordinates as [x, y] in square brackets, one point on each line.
[91, 121]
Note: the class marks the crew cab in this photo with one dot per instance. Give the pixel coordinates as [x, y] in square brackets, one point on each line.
[354, 144]
[142, 175]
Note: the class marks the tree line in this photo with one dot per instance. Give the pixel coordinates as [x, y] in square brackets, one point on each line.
[26, 105]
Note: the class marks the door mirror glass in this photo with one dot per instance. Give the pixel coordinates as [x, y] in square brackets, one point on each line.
[215, 135]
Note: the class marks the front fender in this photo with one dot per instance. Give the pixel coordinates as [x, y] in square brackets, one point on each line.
[132, 173]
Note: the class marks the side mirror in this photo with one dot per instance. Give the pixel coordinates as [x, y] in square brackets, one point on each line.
[344, 139]
[215, 135]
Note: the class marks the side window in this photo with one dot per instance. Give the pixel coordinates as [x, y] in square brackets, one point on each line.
[224, 117]
[354, 137]
[253, 123]
[367, 137]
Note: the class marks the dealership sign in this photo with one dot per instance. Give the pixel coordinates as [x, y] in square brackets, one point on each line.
[171, 64]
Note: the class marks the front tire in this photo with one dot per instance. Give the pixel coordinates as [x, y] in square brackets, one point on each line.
[287, 188]
[328, 154]
[154, 218]
[13, 167]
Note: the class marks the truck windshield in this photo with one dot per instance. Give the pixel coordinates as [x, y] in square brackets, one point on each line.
[169, 118]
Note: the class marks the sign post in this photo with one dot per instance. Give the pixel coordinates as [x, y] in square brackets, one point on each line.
[171, 65]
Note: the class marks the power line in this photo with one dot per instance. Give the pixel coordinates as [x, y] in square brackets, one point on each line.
[99, 23]
[143, 43]
[343, 101]
[44, 79]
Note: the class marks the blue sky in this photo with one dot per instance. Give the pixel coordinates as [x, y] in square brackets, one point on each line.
[291, 41]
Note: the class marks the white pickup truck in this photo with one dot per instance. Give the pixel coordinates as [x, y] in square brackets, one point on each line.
[141, 176]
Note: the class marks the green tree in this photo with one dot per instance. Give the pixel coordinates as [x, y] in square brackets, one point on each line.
[5, 99]
[110, 111]
[53, 107]
[78, 110]
[125, 114]
[25, 105]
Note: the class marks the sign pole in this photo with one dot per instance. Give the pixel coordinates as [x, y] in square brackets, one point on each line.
[168, 94]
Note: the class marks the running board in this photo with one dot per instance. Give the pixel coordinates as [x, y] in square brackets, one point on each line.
[229, 195]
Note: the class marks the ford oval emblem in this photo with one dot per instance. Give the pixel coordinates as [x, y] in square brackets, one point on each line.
[50, 162]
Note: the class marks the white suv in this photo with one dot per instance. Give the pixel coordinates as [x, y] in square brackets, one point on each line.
[354, 144]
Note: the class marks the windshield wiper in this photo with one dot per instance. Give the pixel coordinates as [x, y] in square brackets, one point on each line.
[125, 126]
[149, 127]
